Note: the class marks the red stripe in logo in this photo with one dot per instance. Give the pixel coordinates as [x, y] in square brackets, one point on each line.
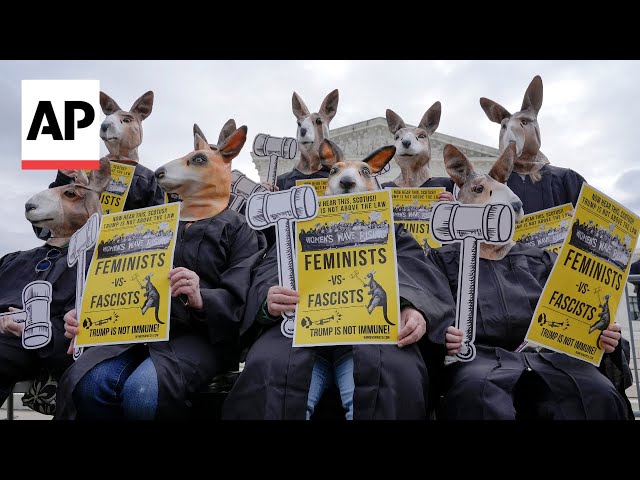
[60, 164]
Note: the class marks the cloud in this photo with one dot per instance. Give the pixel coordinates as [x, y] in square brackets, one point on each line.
[586, 118]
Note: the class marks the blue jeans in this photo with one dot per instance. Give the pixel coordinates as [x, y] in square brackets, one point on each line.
[123, 387]
[323, 374]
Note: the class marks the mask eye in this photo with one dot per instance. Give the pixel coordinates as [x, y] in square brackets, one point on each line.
[524, 122]
[318, 121]
[397, 137]
[333, 170]
[199, 159]
[422, 135]
[366, 172]
[504, 126]
[299, 123]
[126, 120]
[70, 193]
[478, 189]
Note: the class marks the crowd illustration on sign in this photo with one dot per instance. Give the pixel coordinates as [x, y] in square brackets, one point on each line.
[139, 240]
[323, 277]
[602, 242]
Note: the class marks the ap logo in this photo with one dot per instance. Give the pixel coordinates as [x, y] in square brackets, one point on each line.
[60, 124]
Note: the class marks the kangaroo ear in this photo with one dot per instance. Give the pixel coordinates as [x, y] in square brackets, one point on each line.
[108, 104]
[200, 143]
[431, 118]
[379, 159]
[298, 106]
[329, 153]
[143, 106]
[233, 144]
[494, 111]
[99, 179]
[227, 129]
[533, 96]
[394, 122]
[503, 167]
[457, 165]
[329, 106]
[196, 129]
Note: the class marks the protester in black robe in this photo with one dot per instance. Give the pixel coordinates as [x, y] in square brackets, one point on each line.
[221, 250]
[18, 269]
[556, 186]
[62, 210]
[390, 382]
[502, 384]
[144, 191]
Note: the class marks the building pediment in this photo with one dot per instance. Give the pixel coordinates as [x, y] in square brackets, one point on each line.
[360, 139]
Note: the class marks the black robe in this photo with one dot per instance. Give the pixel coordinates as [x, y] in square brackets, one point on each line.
[433, 182]
[390, 382]
[490, 387]
[222, 251]
[144, 191]
[288, 180]
[556, 187]
[17, 269]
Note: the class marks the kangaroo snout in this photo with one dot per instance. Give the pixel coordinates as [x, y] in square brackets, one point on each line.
[160, 173]
[303, 132]
[347, 183]
[30, 206]
[406, 143]
[105, 126]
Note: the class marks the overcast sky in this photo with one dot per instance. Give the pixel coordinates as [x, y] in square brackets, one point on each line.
[586, 121]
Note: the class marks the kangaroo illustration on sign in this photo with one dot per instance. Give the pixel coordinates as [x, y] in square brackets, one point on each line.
[378, 296]
[152, 297]
[604, 317]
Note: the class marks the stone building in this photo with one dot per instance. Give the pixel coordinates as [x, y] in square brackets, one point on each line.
[360, 139]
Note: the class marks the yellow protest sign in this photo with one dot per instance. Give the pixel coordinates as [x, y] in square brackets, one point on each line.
[126, 297]
[412, 208]
[546, 228]
[319, 184]
[582, 294]
[346, 272]
[113, 198]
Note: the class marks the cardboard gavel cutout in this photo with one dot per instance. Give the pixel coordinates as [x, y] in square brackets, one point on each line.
[84, 239]
[275, 148]
[36, 300]
[242, 188]
[493, 223]
[282, 209]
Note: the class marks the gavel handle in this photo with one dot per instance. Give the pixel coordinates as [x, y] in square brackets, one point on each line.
[18, 317]
[467, 296]
[286, 264]
[77, 351]
[273, 169]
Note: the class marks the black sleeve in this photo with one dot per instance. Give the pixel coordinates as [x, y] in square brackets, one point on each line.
[224, 306]
[572, 182]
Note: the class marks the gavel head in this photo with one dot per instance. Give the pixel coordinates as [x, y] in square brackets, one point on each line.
[65, 209]
[265, 145]
[36, 298]
[244, 186]
[491, 223]
[480, 188]
[297, 203]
